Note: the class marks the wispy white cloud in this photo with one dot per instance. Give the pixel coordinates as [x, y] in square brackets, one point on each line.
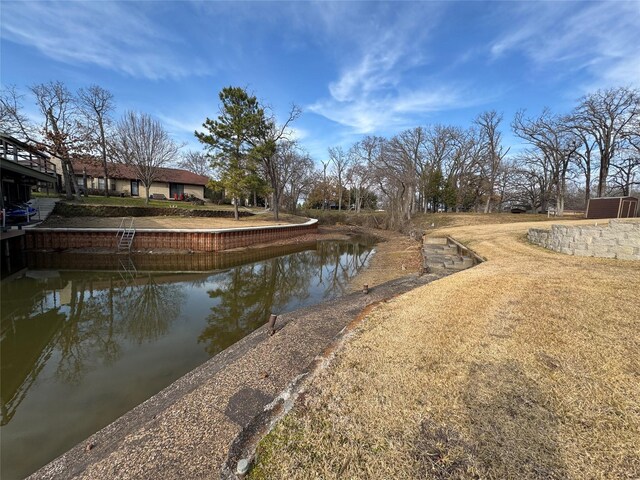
[599, 39]
[298, 133]
[366, 114]
[181, 125]
[390, 82]
[115, 36]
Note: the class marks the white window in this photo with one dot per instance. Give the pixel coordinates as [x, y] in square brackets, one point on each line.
[100, 183]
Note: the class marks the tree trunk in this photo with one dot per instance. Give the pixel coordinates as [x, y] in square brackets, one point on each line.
[236, 215]
[84, 183]
[587, 187]
[74, 180]
[275, 200]
[602, 180]
[492, 183]
[67, 180]
[487, 206]
[103, 146]
[560, 199]
[146, 195]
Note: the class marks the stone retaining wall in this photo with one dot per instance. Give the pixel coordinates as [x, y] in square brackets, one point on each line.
[620, 239]
[175, 239]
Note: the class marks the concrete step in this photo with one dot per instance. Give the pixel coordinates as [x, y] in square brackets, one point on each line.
[450, 262]
[456, 266]
[439, 258]
[440, 249]
[44, 205]
[439, 254]
[435, 241]
[461, 263]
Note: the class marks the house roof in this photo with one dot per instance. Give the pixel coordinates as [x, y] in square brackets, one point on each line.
[122, 171]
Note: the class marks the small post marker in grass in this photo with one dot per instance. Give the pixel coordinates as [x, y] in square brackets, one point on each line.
[272, 324]
[365, 289]
[243, 467]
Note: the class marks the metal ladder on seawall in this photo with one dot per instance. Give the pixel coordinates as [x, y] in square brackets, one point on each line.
[125, 234]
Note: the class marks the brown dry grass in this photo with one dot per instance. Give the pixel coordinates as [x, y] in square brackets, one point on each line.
[442, 220]
[526, 366]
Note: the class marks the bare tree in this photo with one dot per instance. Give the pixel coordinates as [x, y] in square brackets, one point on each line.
[626, 175]
[494, 152]
[395, 176]
[632, 136]
[606, 115]
[325, 165]
[585, 160]
[463, 171]
[298, 175]
[340, 161]
[360, 173]
[196, 162]
[97, 105]
[440, 146]
[283, 165]
[556, 141]
[266, 150]
[145, 145]
[13, 120]
[61, 131]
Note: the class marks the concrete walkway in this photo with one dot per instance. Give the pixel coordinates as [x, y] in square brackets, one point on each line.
[185, 431]
[45, 206]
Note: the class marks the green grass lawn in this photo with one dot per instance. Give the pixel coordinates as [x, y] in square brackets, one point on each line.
[51, 194]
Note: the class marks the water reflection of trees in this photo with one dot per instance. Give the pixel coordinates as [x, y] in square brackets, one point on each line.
[148, 309]
[100, 320]
[32, 343]
[82, 320]
[94, 317]
[248, 294]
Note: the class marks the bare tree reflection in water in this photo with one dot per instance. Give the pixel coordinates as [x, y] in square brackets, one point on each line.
[99, 320]
[106, 339]
[148, 308]
[74, 340]
[248, 294]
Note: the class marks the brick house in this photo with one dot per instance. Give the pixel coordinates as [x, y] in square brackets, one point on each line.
[123, 180]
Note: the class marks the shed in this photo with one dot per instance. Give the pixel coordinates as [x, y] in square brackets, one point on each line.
[612, 207]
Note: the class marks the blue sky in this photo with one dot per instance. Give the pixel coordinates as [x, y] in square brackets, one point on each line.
[355, 68]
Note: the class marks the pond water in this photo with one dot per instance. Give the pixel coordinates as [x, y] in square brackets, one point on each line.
[85, 338]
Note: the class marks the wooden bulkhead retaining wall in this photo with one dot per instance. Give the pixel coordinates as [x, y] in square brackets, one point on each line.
[198, 240]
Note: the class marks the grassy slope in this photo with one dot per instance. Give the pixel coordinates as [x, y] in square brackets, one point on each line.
[526, 366]
[140, 202]
[261, 218]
